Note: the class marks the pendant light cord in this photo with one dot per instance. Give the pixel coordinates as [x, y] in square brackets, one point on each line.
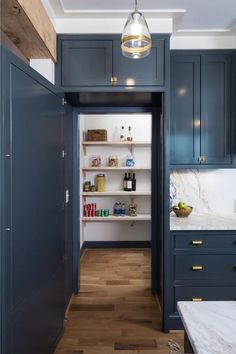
[136, 6]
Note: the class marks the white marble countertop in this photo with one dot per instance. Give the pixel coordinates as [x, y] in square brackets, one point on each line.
[207, 221]
[210, 326]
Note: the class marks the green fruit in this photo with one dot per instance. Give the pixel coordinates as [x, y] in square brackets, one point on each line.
[182, 205]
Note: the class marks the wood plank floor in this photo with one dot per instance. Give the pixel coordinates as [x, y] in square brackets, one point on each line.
[115, 311]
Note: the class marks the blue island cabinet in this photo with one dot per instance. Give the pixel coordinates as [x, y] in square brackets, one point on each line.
[95, 63]
[34, 283]
[201, 108]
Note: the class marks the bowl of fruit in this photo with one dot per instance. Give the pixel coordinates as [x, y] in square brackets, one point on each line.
[182, 210]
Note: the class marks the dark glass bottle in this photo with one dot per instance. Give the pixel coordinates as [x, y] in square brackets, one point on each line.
[129, 183]
[125, 182]
[133, 183]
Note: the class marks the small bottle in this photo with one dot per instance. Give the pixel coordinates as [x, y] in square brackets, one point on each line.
[133, 183]
[122, 134]
[129, 183]
[123, 209]
[125, 182]
[129, 135]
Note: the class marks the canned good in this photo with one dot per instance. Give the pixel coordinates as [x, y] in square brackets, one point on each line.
[87, 186]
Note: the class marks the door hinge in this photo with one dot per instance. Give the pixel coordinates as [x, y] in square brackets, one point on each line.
[63, 154]
[67, 196]
[64, 102]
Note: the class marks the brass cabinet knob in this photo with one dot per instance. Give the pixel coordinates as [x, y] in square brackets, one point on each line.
[197, 299]
[114, 80]
[197, 267]
[197, 242]
[201, 159]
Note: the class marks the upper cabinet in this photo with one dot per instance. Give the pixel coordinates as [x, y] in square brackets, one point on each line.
[96, 63]
[201, 108]
[86, 63]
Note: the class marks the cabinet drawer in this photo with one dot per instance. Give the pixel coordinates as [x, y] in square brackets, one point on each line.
[209, 293]
[203, 267]
[200, 240]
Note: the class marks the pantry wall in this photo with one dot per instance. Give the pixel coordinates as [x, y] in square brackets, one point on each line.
[120, 230]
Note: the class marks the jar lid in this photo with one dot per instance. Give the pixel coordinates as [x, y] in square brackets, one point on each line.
[101, 175]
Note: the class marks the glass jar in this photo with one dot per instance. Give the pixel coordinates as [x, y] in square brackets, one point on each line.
[113, 161]
[95, 161]
[132, 209]
[100, 182]
[130, 161]
[87, 186]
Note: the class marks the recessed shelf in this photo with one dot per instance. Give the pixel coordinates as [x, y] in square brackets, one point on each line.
[140, 217]
[114, 193]
[122, 168]
[116, 143]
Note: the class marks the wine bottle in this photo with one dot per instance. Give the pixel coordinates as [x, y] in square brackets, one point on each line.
[125, 182]
[122, 134]
[129, 183]
[133, 183]
[129, 135]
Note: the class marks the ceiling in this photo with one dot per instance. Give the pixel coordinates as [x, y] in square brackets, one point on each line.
[190, 16]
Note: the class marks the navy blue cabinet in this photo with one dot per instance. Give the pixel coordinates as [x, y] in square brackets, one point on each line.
[86, 63]
[201, 104]
[33, 223]
[96, 63]
[148, 71]
[200, 267]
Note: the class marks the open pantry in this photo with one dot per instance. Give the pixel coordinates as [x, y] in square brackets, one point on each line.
[119, 208]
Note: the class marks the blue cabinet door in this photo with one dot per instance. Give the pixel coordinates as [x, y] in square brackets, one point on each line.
[148, 71]
[185, 109]
[216, 109]
[33, 249]
[86, 63]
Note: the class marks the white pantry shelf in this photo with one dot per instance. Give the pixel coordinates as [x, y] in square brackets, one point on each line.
[121, 168]
[139, 217]
[114, 193]
[116, 143]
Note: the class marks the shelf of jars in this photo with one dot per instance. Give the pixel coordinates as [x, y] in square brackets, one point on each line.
[139, 217]
[116, 193]
[117, 168]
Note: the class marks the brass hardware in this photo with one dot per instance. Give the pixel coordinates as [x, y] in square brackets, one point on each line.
[197, 267]
[201, 159]
[7, 229]
[196, 299]
[136, 50]
[7, 156]
[197, 242]
[114, 80]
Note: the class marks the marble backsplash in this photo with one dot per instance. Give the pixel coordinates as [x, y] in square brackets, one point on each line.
[206, 190]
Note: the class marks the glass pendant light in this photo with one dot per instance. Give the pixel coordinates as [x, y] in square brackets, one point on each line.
[136, 40]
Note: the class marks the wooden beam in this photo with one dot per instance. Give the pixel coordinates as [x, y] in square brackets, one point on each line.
[27, 24]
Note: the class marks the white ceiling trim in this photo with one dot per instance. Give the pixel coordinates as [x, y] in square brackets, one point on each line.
[202, 42]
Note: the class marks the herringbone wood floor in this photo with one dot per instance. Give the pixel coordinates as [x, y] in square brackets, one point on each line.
[115, 311]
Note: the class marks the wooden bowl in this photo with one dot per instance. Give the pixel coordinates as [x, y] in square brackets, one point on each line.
[184, 212]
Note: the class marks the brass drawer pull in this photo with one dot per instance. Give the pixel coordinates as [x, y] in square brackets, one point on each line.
[114, 80]
[201, 159]
[196, 299]
[197, 242]
[197, 267]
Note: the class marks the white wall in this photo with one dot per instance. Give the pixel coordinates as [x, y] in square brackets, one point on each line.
[45, 67]
[141, 128]
[206, 190]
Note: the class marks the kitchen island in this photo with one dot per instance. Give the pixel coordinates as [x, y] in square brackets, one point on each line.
[209, 326]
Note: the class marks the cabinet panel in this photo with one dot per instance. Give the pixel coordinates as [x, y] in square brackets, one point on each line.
[203, 267]
[200, 241]
[206, 293]
[185, 109]
[86, 63]
[215, 108]
[148, 71]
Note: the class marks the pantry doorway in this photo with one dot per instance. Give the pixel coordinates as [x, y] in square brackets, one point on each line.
[90, 233]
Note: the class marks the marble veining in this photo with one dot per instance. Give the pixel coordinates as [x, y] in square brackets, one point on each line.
[210, 325]
[206, 221]
[208, 191]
